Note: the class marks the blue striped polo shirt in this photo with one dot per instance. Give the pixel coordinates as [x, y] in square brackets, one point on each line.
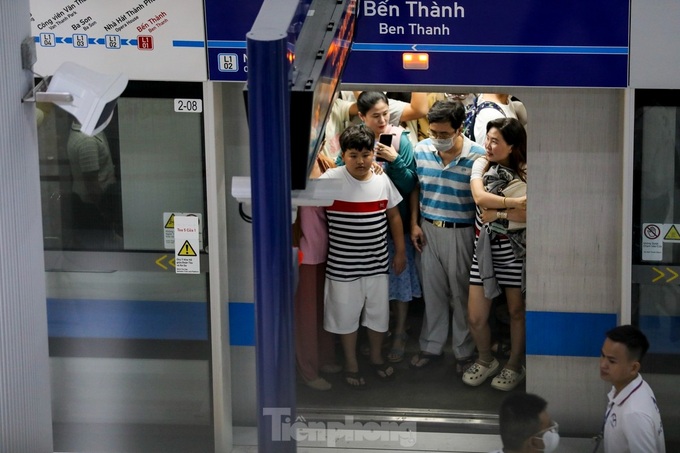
[445, 190]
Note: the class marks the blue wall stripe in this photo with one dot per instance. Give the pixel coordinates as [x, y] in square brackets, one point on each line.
[141, 319]
[241, 324]
[548, 333]
[567, 334]
[127, 319]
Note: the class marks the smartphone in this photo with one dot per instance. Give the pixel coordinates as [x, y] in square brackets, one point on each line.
[385, 139]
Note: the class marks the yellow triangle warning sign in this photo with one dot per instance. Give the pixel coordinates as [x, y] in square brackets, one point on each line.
[171, 222]
[672, 234]
[186, 250]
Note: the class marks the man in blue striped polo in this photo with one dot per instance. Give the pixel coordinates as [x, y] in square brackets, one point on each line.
[445, 234]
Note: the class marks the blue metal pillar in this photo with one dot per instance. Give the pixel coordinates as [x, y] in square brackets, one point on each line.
[268, 117]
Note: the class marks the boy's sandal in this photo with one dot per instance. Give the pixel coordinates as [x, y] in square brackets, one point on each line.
[396, 355]
[424, 359]
[354, 380]
[384, 371]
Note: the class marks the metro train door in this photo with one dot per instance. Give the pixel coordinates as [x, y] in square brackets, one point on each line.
[656, 226]
[655, 283]
[128, 336]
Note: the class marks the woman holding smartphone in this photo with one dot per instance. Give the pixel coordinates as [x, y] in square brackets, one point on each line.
[395, 151]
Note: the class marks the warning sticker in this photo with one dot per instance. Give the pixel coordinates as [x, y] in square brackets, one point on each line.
[186, 244]
[672, 234]
[652, 242]
[654, 235]
[186, 250]
[169, 228]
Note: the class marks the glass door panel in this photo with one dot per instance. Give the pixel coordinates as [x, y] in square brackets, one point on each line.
[129, 341]
[656, 251]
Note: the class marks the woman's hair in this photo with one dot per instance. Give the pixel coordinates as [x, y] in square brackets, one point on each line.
[368, 99]
[514, 135]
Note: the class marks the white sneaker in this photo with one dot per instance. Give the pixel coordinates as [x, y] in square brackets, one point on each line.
[477, 373]
[508, 379]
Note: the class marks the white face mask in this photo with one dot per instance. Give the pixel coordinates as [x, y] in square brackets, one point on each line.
[551, 440]
[442, 144]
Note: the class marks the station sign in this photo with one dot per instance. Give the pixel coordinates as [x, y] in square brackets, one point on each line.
[227, 23]
[145, 39]
[530, 43]
[579, 43]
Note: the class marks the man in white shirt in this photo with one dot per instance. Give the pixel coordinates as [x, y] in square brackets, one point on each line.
[525, 425]
[632, 422]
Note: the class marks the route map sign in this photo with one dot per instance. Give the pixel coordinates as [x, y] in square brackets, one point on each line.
[145, 39]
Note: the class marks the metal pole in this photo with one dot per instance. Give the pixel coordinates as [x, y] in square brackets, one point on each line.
[268, 115]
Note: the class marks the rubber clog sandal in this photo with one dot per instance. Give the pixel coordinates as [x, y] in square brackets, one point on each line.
[423, 360]
[508, 379]
[384, 371]
[354, 376]
[396, 355]
[478, 373]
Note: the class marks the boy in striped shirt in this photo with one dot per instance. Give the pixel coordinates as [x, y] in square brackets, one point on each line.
[357, 268]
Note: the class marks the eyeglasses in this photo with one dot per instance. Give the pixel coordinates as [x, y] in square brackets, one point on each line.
[555, 427]
[441, 135]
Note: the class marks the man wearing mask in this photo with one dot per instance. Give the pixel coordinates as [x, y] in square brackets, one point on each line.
[445, 234]
[632, 422]
[525, 425]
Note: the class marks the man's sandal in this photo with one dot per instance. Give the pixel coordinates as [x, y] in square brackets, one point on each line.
[424, 359]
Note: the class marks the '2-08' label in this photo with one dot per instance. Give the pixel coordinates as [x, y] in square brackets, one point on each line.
[188, 105]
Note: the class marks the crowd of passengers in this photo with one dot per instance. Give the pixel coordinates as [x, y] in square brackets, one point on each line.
[433, 206]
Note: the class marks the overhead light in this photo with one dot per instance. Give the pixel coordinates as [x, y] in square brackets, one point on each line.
[413, 60]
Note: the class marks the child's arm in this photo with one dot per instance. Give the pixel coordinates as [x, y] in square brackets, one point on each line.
[397, 230]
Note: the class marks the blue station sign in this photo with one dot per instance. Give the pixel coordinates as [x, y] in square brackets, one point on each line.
[227, 23]
[576, 43]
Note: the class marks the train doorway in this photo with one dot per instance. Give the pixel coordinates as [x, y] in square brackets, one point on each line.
[434, 395]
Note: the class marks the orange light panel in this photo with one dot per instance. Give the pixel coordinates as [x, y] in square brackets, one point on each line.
[416, 60]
